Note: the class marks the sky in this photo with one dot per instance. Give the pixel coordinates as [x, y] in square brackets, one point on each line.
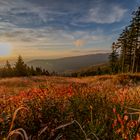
[60, 28]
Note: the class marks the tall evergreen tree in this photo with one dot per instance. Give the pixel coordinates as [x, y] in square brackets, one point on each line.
[20, 67]
[113, 59]
[129, 42]
[8, 69]
[136, 30]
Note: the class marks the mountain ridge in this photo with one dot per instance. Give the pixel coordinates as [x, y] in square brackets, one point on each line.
[61, 65]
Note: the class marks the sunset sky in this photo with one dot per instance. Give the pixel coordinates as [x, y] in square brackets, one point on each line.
[60, 28]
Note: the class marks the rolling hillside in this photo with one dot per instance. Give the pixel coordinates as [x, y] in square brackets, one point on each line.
[69, 63]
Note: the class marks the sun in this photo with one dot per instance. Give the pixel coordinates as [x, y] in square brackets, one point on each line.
[5, 50]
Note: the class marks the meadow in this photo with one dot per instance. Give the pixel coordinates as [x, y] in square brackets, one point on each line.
[60, 108]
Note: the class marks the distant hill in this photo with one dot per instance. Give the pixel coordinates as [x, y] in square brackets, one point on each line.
[70, 63]
[91, 70]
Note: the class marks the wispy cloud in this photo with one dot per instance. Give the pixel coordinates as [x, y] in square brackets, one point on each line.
[79, 42]
[89, 51]
[57, 27]
[102, 15]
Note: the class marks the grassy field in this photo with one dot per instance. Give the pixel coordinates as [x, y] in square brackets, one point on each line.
[57, 108]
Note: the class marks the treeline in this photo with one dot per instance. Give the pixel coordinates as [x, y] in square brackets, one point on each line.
[128, 60]
[92, 71]
[20, 69]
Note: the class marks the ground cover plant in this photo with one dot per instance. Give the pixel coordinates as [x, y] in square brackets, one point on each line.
[51, 108]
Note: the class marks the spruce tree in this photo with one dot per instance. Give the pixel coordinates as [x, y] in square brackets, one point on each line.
[129, 42]
[113, 59]
[8, 69]
[20, 67]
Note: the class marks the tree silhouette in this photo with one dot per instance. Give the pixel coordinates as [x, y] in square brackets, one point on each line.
[129, 42]
[113, 59]
[8, 69]
[20, 67]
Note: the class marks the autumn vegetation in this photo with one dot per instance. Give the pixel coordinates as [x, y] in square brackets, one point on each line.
[102, 107]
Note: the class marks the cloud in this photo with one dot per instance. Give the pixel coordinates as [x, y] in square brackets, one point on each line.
[22, 13]
[104, 14]
[63, 14]
[47, 39]
[88, 38]
[93, 50]
[79, 42]
[52, 25]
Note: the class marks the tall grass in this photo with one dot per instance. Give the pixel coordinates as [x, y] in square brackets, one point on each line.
[84, 108]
